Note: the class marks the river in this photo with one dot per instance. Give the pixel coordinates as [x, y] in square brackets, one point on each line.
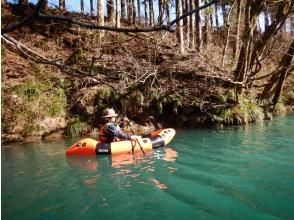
[242, 172]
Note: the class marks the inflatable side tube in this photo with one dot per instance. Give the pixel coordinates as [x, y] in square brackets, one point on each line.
[162, 138]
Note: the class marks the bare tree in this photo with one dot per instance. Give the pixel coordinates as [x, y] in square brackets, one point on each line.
[167, 10]
[92, 8]
[198, 27]
[216, 15]
[123, 9]
[61, 4]
[117, 13]
[139, 10]
[100, 12]
[145, 12]
[130, 10]
[134, 12]
[151, 13]
[275, 85]
[110, 11]
[238, 19]
[160, 11]
[192, 25]
[82, 6]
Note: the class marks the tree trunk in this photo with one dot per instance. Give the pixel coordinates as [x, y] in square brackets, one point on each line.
[61, 4]
[223, 4]
[266, 18]
[123, 9]
[198, 27]
[206, 35]
[192, 26]
[45, 5]
[117, 13]
[110, 11]
[180, 34]
[130, 11]
[146, 13]
[82, 6]
[250, 22]
[23, 2]
[228, 26]
[167, 10]
[216, 15]
[151, 13]
[160, 10]
[100, 10]
[92, 8]
[139, 10]
[134, 12]
[275, 85]
[237, 43]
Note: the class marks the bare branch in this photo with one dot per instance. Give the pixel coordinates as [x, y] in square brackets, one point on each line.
[24, 21]
[36, 57]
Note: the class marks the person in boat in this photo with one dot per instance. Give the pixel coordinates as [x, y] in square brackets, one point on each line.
[109, 130]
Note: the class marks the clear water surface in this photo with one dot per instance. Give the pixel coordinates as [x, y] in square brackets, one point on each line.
[234, 173]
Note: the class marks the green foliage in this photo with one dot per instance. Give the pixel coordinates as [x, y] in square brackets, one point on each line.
[247, 111]
[76, 127]
[280, 109]
[39, 96]
[254, 112]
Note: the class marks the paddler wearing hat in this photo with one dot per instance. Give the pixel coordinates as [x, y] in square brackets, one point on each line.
[109, 131]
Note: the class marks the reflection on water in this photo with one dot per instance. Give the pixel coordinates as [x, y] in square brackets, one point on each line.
[124, 165]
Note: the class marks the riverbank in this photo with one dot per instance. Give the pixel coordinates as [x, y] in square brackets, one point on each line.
[61, 77]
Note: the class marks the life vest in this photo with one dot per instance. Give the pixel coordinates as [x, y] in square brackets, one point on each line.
[105, 136]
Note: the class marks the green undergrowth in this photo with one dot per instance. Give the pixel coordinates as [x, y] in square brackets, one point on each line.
[77, 127]
[39, 96]
[245, 112]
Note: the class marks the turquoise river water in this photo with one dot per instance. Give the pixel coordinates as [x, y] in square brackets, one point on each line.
[234, 173]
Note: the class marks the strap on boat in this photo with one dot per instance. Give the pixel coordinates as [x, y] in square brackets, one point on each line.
[134, 144]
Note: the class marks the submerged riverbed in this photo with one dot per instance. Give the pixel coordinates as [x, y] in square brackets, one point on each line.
[234, 173]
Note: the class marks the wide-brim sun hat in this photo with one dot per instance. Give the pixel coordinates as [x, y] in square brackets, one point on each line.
[109, 113]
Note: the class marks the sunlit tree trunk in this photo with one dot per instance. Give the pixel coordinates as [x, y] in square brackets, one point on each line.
[198, 27]
[206, 34]
[130, 11]
[228, 26]
[180, 34]
[123, 9]
[151, 13]
[110, 11]
[100, 11]
[187, 29]
[117, 13]
[237, 43]
[192, 25]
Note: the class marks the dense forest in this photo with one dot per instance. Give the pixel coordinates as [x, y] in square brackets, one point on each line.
[161, 63]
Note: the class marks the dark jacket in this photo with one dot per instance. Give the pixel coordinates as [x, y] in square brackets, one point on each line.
[109, 132]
